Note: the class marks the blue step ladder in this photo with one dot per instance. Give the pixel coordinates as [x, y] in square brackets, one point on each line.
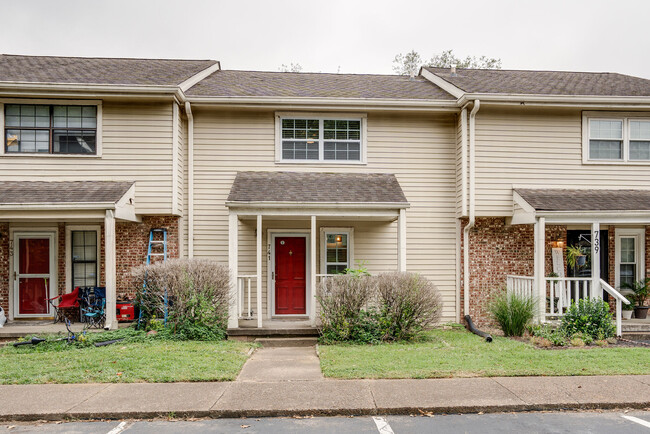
[157, 249]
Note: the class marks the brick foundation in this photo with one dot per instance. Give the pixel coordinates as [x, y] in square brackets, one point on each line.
[131, 249]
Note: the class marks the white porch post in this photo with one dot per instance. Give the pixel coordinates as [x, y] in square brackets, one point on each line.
[401, 240]
[111, 269]
[539, 266]
[233, 239]
[312, 274]
[259, 270]
[596, 290]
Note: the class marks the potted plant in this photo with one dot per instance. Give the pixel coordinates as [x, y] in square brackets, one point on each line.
[576, 256]
[641, 289]
[628, 309]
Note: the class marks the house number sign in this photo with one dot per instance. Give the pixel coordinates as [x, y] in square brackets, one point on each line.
[596, 241]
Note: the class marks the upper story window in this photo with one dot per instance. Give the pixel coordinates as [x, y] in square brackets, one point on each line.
[50, 129]
[321, 139]
[618, 139]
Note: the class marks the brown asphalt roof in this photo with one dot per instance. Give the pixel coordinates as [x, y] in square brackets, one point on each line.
[586, 200]
[34, 192]
[545, 82]
[316, 85]
[316, 187]
[93, 70]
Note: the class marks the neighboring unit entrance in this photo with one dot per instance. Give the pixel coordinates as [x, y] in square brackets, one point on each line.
[290, 275]
[33, 267]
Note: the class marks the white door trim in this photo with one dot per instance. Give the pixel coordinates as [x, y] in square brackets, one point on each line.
[272, 235]
[639, 235]
[52, 235]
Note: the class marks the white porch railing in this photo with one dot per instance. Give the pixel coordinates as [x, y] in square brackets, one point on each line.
[321, 279]
[561, 291]
[245, 297]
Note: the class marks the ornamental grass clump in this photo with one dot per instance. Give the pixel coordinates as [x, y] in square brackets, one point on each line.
[512, 312]
[198, 291]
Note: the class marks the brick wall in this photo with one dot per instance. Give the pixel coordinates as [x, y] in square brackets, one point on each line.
[496, 250]
[132, 242]
[4, 267]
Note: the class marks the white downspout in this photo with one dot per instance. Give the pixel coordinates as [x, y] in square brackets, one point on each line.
[190, 180]
[472, 204]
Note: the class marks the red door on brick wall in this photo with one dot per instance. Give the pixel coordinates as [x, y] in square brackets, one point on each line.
[290, 275]
[33, 275]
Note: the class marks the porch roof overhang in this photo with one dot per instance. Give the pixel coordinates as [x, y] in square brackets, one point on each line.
[302, 194]
[575, 206]
[40, 200]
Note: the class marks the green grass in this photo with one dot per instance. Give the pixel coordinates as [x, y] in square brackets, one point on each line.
[458, 353]
[150, 360]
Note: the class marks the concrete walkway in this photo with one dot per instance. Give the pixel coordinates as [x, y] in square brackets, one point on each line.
[286, 397]
[282, 364]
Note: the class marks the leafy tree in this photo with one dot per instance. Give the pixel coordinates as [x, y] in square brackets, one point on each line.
[410, 63]
[293, 67]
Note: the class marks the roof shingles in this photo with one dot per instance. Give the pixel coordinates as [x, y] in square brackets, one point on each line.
[586, 200]
[106, 71]
[503, 81]
[316, 188]
[316, 85]
[39, 192]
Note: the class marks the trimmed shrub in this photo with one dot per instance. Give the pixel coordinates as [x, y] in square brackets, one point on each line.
[512, 312]
[590, 318]
[408, 303]
[342, 301]
[198, 291]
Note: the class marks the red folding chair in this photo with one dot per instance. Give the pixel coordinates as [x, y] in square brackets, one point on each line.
[66, 301]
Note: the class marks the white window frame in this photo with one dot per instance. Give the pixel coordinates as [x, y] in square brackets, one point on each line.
[320, 117]
[68, 253]
[323, 242]
[639, 236]
[100, 129]
[625, 117]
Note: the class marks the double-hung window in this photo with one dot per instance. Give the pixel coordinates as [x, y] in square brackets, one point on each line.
[50, 129]
[84, 258]
[320, 139]
[337, 253]
[624, 139]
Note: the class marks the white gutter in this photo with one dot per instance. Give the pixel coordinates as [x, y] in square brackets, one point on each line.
[319, 205]
[190, 180]
[572, 99]
[365, 102]
[472, 204]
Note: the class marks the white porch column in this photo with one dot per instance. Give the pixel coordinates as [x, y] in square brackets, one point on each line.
[110, 269]
[596, 291]
[259, 270]
[401, 240]
[312, 273]
[233, 248]
[539, 266]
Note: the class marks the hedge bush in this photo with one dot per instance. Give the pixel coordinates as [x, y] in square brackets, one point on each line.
[590, 318]
[512, 312]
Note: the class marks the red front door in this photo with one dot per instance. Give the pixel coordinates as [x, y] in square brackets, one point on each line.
[290, 276]
[33, 275]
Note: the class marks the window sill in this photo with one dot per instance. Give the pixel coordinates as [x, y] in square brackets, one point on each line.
[28, 155]
[322, 163]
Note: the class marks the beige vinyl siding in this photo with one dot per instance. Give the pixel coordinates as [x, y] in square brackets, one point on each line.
[538, 147]
[419, 149]
[181, 151]
[459, 167]
[136, 146]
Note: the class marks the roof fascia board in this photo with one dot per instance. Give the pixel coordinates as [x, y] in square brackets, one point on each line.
[199, 76]
[88, 87]
[450, 104]
[442, 83]
[57, 206]
[573, 99]
[319, 205]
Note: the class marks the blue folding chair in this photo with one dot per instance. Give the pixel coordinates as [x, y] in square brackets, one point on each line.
[93, 307]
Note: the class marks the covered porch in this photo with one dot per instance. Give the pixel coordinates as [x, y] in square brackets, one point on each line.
[608, 226]
[56, 235]
[289, 231]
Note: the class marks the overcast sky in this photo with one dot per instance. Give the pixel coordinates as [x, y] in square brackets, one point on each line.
[330, 36]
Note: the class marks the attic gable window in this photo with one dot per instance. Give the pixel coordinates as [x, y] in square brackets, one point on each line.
[310, 139]
[50, 129]
[621, 138]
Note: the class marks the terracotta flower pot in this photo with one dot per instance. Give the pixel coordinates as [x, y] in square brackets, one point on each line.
[641, 312]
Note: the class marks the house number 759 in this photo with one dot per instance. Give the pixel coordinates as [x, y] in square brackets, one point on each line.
[596, 241]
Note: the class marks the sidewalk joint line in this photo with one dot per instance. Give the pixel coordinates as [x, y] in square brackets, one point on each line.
[228, 386]
[513, 393]
[372, 395]
[91, 396]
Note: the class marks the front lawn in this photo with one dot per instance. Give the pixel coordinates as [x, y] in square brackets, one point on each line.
[458, 353]
[150, 360]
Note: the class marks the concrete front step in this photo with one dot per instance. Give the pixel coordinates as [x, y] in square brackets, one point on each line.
[252, 333]
[287, 342]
